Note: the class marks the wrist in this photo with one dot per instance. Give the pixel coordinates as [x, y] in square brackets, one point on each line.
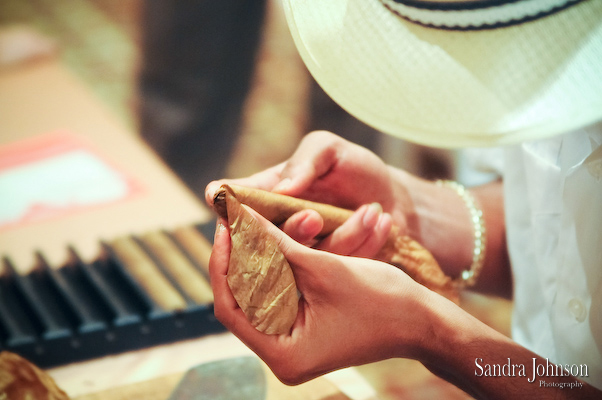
[454, 338]
[469, 276]
[405, 187]
[437, 218]
[425, 334]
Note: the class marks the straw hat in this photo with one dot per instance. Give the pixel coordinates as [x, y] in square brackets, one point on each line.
[452, 73]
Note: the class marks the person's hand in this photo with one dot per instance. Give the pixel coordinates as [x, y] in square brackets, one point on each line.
[329, 169]
[351, 311]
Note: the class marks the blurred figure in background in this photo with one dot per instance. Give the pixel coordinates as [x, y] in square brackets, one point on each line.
[198, 60]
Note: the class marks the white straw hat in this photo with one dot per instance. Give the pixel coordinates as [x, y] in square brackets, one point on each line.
[460, 72]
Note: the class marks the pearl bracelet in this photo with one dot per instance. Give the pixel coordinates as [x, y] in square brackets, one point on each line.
[469, 276]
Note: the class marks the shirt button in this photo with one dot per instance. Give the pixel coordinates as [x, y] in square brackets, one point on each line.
[577, 309]
[595, 168]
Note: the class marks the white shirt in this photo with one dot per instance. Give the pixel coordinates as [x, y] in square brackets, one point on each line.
[553, 202]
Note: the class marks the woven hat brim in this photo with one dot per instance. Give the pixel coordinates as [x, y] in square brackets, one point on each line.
[454, 88]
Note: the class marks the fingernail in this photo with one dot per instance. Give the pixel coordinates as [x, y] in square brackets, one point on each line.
[384, 221]
[309, 227]
[282, 185]
[219, 227]
[304, 226]
[372, 214]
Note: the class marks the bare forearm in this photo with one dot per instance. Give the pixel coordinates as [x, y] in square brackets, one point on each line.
[441, 222]
[488, 365]
[496, 277]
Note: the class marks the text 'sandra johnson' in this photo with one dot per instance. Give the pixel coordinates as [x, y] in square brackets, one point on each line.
[546, 369]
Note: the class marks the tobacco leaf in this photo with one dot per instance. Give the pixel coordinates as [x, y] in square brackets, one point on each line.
[259, 276]
[23, 380]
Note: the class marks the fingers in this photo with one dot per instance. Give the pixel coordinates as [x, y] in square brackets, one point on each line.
[218, 267]
[362, 235]
[304, 226]
[314, 157]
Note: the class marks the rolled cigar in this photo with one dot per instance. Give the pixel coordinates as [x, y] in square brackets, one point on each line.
[181, 270]
[195, 244]
[399, 250]
[146, 273]
[277, 208]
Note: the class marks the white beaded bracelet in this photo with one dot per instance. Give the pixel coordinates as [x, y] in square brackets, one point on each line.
[469, 276]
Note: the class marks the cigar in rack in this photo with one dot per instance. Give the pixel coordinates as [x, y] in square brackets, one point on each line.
[178, 266]
[399, 250]
[146, 273]
[195, 245]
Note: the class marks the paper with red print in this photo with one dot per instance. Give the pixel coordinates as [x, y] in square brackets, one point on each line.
[54, 175]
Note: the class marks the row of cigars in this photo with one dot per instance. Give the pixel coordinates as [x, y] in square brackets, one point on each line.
[142, 290]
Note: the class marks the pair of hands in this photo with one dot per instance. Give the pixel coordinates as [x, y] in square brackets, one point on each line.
[356, 310]
[352, 310]
[328, 169]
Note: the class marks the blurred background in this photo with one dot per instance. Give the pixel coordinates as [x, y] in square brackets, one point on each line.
[217, 89]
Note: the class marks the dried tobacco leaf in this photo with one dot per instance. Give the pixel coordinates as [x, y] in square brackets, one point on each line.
[22, 380]
[259, 275]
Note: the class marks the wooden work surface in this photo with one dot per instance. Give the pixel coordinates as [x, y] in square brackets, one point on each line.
[154, 389]
[154, 373]
[162, 387]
